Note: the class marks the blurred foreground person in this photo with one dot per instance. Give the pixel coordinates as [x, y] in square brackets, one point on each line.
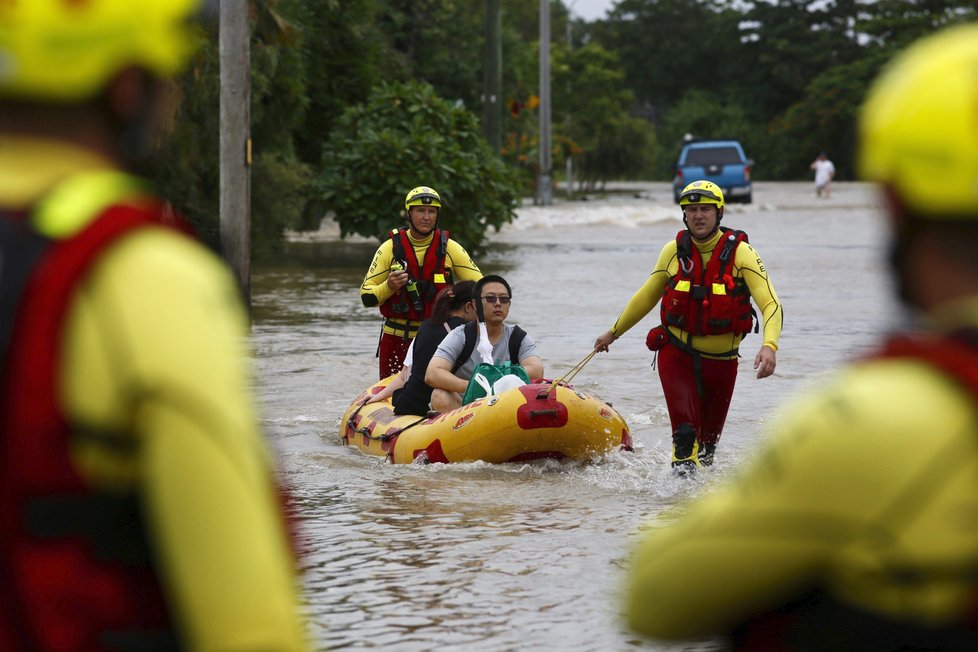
[137, 497]
[856, 528]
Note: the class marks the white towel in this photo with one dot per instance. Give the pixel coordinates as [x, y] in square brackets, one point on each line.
[484, 347]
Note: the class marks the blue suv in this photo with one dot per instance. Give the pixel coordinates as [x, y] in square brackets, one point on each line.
[721, 161]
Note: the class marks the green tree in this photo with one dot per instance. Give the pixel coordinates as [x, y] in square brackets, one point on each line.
[345, 54]
[591, 102]
[404, 136]
[668, 47]
[823, 118]
[783, 46]
[893, 24]
[281, 182]
[188, 169]
[702, 114]
[623, 149]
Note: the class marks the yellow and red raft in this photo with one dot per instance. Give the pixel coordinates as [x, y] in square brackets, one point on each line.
[541, 420]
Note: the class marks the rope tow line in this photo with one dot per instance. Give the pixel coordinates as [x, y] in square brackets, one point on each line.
[365, 432]
[566, 378]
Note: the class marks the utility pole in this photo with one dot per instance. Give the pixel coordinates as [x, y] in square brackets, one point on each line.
[545, 182]
[492, 93]
[569, 157]
[235, 142]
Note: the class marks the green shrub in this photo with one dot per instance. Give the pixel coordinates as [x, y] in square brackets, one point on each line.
[406, 136]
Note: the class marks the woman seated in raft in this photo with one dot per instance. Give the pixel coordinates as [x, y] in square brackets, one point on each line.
[410, 395]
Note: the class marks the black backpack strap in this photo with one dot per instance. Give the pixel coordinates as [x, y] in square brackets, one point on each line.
[468, 347]
[398, 246]
[442, 246]
[515, 341]
[684, 245]
[730, 245]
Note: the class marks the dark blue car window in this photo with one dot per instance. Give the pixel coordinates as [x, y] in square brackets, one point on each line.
[713, 156]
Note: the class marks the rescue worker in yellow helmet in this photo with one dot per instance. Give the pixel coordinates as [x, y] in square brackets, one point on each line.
[408, 271]
[705, 279]
[854, 528]
[138, 500]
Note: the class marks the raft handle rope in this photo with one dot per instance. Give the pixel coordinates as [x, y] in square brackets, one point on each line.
[351, 427]
[566, 378]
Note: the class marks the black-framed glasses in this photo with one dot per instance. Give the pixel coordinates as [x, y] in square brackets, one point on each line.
[494, 298]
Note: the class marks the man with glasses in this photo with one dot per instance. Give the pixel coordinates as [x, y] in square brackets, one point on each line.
[457, 356]
[706, 279]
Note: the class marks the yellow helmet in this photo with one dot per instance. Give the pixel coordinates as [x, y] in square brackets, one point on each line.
[918, 130]
[422, 196]
[702, 192]
[61, 51]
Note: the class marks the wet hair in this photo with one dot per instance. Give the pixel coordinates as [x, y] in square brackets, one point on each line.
[450, 299]
[492, 278]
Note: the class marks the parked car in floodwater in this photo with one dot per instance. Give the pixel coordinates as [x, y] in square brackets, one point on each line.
[721, 161]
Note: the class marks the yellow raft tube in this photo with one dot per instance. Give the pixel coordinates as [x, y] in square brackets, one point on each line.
[541, 420]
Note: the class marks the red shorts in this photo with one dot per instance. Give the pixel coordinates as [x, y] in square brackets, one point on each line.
[706, 414]
[393, 348]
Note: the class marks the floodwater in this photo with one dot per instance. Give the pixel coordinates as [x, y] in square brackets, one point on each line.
[533, 556]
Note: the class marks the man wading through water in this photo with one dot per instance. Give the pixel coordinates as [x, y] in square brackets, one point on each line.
[706, 278]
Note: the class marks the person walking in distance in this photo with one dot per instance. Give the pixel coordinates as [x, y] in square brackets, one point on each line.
[824, 173]
[137, 497]
[705, 278]
[851, 528]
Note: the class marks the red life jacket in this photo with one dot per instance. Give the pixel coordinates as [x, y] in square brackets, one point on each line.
[416, 303]
[76, 569]
[708, 301]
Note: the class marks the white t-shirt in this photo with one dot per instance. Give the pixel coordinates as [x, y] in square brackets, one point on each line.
[823, 172]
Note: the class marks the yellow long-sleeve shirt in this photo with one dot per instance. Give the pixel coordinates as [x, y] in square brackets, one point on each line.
[747, 264]
[155, 348]
[374, 286]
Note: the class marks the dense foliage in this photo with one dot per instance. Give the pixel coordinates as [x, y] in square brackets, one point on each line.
[785, 77]
[405, 136]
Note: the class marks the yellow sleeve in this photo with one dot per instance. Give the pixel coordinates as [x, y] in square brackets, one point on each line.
[460, 262]
[762, 292]
[647, 296]
[374, 289]
[157, 348]
[866, 472]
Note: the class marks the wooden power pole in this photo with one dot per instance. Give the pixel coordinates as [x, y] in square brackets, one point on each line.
[235, 147]
[545, 196]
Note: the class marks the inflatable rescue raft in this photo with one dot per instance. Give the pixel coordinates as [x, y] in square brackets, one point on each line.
[536, 421]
